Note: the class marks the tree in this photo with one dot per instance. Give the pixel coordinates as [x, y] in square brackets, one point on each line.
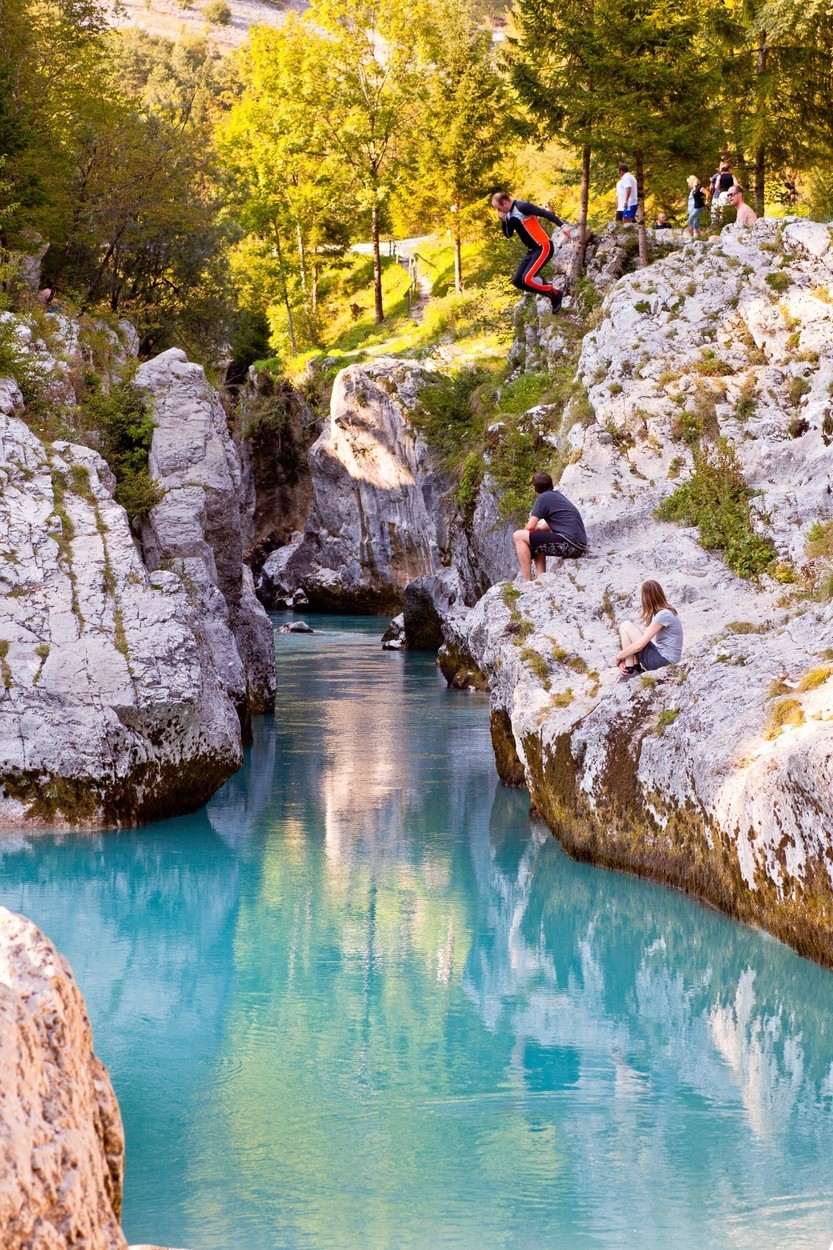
[778, 96]
[293, 193]
[366, 93]
[463, 136]
[560, 66]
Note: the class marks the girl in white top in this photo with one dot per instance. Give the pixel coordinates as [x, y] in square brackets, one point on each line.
[658, 642]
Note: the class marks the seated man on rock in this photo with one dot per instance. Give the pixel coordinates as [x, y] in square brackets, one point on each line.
[555, 528]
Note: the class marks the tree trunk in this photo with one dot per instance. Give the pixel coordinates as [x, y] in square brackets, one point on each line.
[314, 287]
[760, 150]
[640, 210]
[580, 246]
[290, 325]
[301, 257]
[377, 265]
[458, 252]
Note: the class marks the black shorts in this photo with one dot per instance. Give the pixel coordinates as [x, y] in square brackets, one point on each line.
[651, 658]
[550, 543]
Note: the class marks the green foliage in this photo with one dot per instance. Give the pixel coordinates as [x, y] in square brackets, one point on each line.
[819, 541]
[717, 500]
[217, 13]
[779, 281]
[666, 717]
[536, 664]
[746, 402]
[124, 424]
[446, 416]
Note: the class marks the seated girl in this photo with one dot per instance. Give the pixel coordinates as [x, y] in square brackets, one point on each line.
[659, 643]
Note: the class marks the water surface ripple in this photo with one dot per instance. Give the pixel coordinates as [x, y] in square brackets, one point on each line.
[360, 1001]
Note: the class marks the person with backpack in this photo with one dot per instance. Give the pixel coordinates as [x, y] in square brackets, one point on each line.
[696, 204]
[521, 218]
[720, 184]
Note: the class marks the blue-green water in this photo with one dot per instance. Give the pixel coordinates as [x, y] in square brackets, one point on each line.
[361, 1001]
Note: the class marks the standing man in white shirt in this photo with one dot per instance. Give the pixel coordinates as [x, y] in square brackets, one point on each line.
[627, 194]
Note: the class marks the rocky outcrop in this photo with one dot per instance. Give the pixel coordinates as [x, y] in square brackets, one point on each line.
[381, 515]
[123, 684]
[196, 529]
[61, 1138]
[714, 775]
[376, 520]
[431, 602]
[111, 708]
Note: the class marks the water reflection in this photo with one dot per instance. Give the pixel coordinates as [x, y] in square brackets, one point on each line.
[361, 1001]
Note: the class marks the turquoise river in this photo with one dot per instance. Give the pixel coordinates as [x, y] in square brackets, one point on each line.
[361, 1000]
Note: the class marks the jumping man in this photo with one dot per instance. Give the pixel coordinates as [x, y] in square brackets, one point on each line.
[521, 218]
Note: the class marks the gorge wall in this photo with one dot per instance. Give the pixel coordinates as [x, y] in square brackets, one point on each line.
[715, 775]
[128, 667]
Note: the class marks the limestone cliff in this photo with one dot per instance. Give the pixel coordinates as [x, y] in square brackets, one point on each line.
[61, 1137]
[381, 515]
[716, 775]
[124, 683]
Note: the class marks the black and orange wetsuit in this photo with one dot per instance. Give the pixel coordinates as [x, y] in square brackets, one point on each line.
[522, 220]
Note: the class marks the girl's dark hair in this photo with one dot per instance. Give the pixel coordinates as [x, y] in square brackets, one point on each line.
[541, 482]
[653, 601]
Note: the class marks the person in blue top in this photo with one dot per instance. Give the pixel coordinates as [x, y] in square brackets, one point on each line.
[658, 642]
[521, 218]
[555, 528]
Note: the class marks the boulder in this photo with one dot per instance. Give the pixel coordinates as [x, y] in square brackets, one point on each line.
[61, 1137]
[715, 775]
[196, 529]
[112, 707]
[393, 639]
[296, 627]
[429, 602]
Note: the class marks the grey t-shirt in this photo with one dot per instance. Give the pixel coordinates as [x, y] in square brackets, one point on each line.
[669, 640]
[560, 515]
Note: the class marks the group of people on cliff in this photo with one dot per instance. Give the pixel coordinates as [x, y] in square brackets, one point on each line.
[555, 528]
[523, 218]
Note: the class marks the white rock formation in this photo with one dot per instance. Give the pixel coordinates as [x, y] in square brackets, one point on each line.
[718, 774]
[381, 514]
[196, 528]
[61, 1137]
[111, 709]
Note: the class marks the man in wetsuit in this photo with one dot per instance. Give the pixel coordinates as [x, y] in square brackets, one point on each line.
[521, 218]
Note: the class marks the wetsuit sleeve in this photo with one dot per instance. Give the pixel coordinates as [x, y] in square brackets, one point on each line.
[532, 211]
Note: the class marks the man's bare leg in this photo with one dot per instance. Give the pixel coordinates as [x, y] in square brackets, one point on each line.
[524, 553]
[540, 565]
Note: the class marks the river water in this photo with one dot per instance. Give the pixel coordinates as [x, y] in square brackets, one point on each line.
[361, 1001]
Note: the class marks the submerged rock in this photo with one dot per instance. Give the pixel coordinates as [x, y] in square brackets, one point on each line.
[61, 1136]
[715, 775]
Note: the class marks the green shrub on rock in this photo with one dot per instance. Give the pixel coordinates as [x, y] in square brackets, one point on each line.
[716, 499]
[124, 425]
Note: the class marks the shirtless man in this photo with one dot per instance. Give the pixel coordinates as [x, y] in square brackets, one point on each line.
[746, 215]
